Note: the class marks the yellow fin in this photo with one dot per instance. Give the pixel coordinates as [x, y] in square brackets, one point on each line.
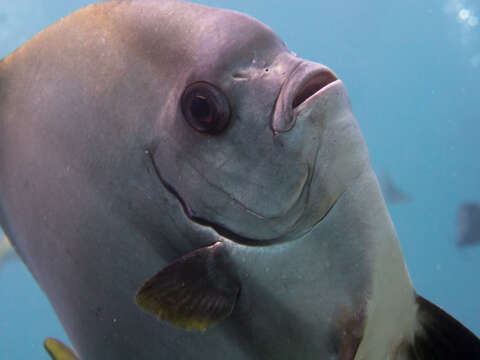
[58, 350]
[194, 292]
[5, 247]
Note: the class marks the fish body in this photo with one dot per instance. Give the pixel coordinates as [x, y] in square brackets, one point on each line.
[170, 158]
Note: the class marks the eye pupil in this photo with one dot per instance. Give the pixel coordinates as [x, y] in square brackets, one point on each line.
[200, 108]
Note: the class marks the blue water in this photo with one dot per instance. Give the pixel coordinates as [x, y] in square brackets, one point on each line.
[413, 73]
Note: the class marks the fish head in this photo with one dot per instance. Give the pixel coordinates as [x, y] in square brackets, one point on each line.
[253, 140]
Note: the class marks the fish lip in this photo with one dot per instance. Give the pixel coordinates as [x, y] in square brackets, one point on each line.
[225, 233]
[313, 84]
[307, 80]
[316, 95]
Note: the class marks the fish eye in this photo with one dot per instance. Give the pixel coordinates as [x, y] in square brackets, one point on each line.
[205, 108]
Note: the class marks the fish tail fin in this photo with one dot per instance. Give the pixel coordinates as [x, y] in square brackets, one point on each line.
[440, 336]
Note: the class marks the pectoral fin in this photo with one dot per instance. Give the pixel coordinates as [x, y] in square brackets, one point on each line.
[194, 292]
[441, 337]
[58, 350]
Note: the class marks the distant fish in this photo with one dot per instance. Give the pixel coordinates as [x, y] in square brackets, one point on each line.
[468, 224]
[392, 193]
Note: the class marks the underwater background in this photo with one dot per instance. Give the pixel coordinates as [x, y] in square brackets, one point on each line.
[412, 69]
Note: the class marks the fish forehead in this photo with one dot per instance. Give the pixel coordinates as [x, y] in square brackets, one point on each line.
[183, 34]
[175, 36]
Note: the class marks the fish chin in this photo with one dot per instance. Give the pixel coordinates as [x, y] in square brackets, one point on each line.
[302, 227]
[295, 232]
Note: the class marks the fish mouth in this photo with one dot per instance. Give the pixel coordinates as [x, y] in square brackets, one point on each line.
[313, 85]
[311, 96]
[307, 81]
[227, 233]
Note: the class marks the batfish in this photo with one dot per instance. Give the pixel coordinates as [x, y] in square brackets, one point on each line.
[183, 186]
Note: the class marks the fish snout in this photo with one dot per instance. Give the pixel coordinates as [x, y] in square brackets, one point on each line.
[306, 80]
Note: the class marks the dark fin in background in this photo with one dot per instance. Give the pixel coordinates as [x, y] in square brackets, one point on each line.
[391, 192]
[58, 350]
[194, 292]
[441, 337]
[468, 224]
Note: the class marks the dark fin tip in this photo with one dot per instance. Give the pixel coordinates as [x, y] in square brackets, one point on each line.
[442, 337]
[194, 292]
